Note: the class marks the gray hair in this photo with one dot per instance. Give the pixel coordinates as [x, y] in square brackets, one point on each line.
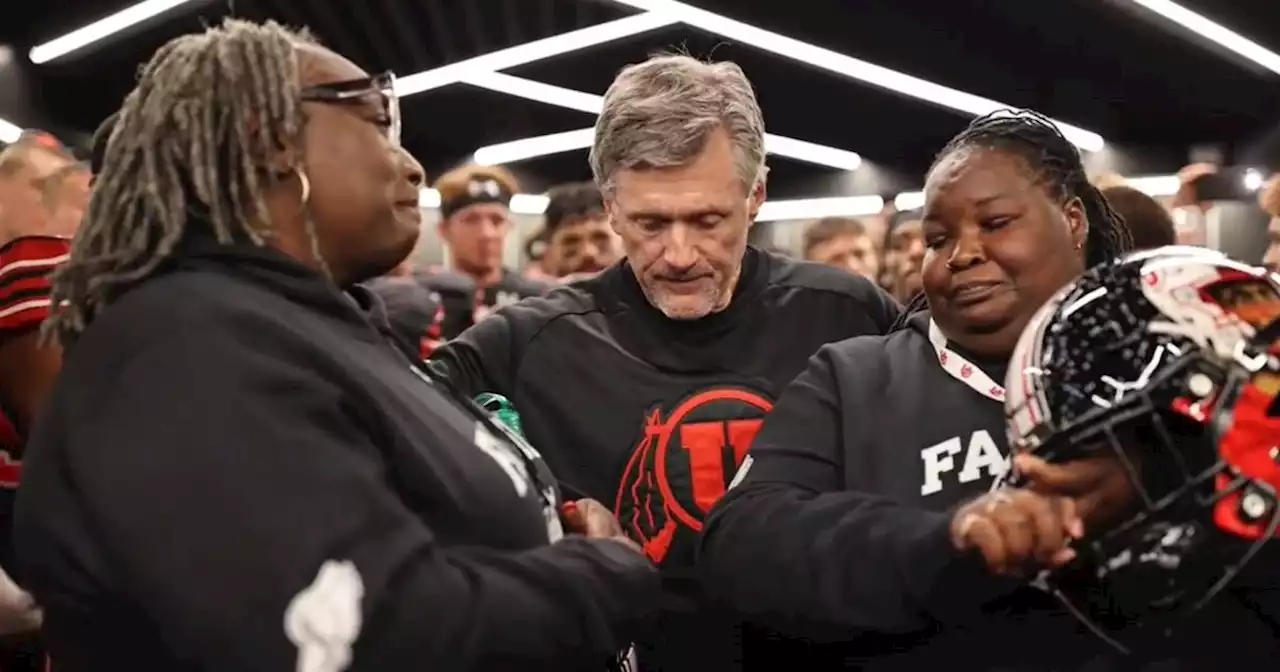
[209, 112]
[659, 114]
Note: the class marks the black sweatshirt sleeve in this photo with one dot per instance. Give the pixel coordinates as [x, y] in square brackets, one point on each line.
[245, 508]
[484, 358]
[789, 547]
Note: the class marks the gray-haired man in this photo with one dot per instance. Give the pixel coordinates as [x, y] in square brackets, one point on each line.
[644, 386]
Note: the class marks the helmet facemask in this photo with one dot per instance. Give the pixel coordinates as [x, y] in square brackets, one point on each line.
[1198, 435]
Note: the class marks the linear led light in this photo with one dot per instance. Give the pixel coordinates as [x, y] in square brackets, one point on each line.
[9, 132]
[1214, 32]
[816, 208]
[529, 204]
[1155, 186]
[529, 52]
[908, 200]
[569, 141]
[528, 148]
[83, 37]
[559, 96]
[771, 211]
[529, 89]
[841, 64]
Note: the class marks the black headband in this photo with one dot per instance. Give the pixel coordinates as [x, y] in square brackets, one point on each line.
[480, 190]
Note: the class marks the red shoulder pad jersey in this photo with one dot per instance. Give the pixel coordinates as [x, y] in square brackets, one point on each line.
[25, 268]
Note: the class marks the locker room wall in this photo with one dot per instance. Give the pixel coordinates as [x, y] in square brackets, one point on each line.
[1239, 230]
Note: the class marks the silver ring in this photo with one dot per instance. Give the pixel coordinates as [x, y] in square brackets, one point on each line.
[997, 498]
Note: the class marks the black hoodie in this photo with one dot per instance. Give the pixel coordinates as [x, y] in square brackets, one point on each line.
[839, 530]
[238, 471]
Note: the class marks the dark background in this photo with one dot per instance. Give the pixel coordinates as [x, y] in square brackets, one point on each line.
[1145, 85]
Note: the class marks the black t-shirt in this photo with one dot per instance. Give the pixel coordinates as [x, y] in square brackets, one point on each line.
[510, 289]
[457, 297]
[466, 304]
[237, 470]
[652, 415]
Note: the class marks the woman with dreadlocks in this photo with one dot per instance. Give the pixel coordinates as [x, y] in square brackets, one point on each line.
[862, 517]
[239, 469]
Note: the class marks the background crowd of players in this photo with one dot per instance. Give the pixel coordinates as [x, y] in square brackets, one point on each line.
[576, 241]
[44, 190]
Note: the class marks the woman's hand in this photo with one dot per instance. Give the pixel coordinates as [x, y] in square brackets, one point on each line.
[594, 520]
[1017, 531]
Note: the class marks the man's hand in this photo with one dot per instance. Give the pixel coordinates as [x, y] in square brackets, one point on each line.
[594, 520]
[1017, 531]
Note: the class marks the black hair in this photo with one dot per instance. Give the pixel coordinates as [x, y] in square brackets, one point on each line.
[1149, 223]
[1056, 162]
[570, 203]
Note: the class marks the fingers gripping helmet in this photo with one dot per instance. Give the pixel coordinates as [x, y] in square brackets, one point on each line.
[1167, 360]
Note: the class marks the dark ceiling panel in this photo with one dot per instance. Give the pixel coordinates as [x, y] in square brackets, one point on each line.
[798, 101]
[1096, 63]
[457, 120]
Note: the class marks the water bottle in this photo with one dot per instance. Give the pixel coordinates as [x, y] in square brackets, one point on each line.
[503, 411]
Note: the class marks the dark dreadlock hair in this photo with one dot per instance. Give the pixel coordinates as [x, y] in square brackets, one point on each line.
[1056, 162]
[196, 135]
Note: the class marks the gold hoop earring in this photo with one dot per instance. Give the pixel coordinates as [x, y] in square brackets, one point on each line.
[306, 186]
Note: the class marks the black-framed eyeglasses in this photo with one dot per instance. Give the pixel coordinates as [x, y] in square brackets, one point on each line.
[382, 86]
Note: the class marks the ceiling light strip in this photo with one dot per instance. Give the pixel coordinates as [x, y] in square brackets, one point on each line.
[102, 28]
[1214, 32]
[9, 132]
[800, 150]
[529, 52]
[841, 64]
[1155, 186]
[771, 211]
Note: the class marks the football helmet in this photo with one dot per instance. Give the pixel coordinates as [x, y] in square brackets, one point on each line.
[1168, 360]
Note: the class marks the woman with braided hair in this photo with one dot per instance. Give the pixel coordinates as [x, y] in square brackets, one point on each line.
[868, 495]
[240, 467]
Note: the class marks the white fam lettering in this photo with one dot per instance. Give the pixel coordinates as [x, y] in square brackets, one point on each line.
[982, 457]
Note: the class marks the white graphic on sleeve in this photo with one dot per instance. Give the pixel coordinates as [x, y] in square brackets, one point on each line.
[518, 470]
[742, 472]
[981, 457]
[509, 461]
[324, 619]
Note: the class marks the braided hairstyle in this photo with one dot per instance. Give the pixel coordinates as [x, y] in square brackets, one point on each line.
[197, 134]
[1058, 167]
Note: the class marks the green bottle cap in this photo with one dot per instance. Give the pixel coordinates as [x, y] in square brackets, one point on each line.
[503, 410]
